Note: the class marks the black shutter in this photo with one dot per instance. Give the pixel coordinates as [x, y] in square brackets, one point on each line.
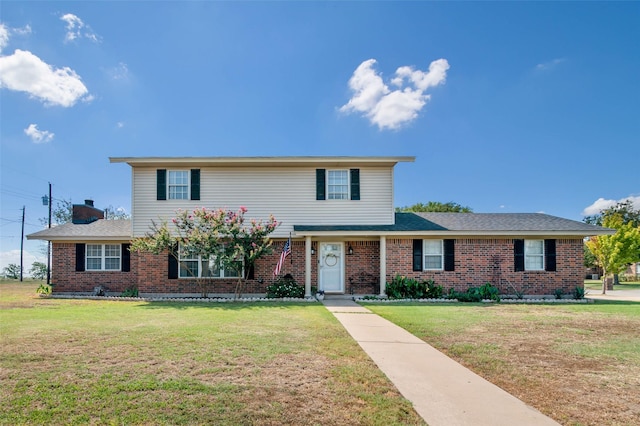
[518, 255]
[126, 257]
[449, 255]
[550, 255]
[320, 184]
[161, 184]
[173, 265]
[80, 248]
[250, 271]
[355, 184]
[195, 184]
[417, 255]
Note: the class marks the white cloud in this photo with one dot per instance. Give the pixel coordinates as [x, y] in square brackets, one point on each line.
[4, 37]
[119, 72]
[77, 29]
[602, 204]
[22, 31]
[5, 34]
[390, 109]
[13, 256]
[38, 136]
[25, 72]
[120, 124]
[545, 66]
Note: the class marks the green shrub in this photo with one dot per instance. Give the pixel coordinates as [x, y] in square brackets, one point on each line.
[44, 289]
[402, 287]
[488, 291]
[558, 292]
[578, 293]
[476, 294]
[285, 287]
[130, 292]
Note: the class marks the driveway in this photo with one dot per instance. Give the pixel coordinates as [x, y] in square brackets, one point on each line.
[623, 295]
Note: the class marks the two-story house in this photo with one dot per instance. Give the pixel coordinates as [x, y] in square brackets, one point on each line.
[346, 236]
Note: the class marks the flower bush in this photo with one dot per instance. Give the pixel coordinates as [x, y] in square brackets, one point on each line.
[285, 287]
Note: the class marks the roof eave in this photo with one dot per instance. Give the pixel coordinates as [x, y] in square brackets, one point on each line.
[449, 234]
[79, 238]
[261, 161]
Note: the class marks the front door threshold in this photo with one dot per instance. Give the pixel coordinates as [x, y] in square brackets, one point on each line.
[337, 296]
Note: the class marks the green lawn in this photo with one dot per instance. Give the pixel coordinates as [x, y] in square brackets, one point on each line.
[111, 362]
[579, 364]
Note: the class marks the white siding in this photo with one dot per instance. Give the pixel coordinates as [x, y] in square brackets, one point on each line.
[289, 193]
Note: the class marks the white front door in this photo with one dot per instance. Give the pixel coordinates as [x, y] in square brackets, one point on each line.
[331, 267]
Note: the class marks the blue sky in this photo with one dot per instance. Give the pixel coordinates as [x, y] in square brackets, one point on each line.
[508, 106]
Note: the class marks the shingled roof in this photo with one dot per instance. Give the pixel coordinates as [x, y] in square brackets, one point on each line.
[104, 230]
[515, 222]
[456, 224]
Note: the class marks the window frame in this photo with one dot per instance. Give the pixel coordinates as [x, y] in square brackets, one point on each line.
[103, 257]
[528, 255]
[187, 185]
[183, 273]
[347, 185]
[426, 254]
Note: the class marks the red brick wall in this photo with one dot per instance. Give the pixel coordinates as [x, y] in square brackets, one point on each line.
[65, 278]
[478, 261]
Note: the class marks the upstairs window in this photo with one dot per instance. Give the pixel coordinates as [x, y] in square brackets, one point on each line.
[338, 185]
[178, 185]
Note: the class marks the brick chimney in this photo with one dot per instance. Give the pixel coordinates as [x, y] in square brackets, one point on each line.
[85, 213]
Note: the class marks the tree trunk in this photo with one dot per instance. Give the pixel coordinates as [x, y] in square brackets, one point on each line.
[238, 292]
[604, 281]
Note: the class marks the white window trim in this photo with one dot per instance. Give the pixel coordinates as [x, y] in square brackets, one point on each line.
[103, 257]
[537, 255]
[425, 254]
[169, 185]
[348, 184]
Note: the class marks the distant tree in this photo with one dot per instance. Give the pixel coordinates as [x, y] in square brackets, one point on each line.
[614, 252]
[219, 238]
[38, 271]
[590, 260]
[436, 206]
[625, 210]
[11, 271]
[60, 214]
[63, 212]
[111, 213]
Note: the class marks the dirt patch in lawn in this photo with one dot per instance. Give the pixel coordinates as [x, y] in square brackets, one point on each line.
[580, 368]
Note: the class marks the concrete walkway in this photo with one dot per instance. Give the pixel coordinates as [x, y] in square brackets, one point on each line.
[442, 391]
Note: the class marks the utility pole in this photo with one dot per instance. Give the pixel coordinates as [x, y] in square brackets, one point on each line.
[48, 201]
[22, 246]
[49, 242]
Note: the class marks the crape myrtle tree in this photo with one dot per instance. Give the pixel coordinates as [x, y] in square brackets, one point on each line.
[219, 238]
[613, 253]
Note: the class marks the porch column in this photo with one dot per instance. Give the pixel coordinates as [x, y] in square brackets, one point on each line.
[383, 265]
[307, 266]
